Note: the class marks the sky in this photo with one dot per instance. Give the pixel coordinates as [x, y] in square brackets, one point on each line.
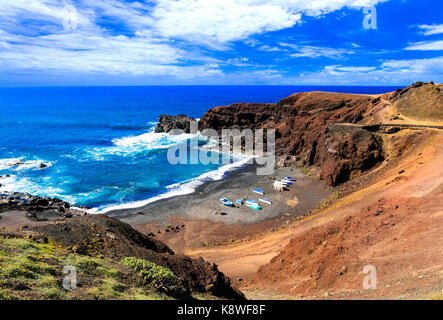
[220, 42]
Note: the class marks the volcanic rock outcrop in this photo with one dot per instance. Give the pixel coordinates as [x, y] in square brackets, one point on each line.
[33, 204]
[349, 150]
[167, 123]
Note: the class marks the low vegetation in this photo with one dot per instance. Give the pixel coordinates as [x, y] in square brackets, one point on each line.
[33, 269]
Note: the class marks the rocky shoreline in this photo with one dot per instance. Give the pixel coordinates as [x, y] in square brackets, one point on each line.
[38, 208]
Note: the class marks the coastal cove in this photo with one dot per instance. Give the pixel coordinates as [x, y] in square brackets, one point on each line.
[97, 146]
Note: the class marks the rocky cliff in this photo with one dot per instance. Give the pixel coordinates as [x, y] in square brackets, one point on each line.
[349, 150]
[301, 121]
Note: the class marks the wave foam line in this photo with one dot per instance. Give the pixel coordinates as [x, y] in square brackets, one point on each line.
[178, 189]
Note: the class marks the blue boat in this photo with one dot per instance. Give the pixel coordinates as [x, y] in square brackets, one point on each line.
[259, 191]
[286, 182]
[239, 201]
[290, 178]
[226, 202]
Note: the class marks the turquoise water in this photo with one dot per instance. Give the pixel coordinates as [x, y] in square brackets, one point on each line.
[98, 144]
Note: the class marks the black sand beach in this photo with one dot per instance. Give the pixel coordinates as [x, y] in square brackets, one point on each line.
[305, 194]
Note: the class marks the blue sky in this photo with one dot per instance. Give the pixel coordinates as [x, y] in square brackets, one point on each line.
[279, 42]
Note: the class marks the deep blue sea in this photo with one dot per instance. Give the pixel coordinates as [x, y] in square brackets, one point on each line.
[98, 141]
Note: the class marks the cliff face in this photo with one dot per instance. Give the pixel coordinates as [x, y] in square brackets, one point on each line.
[300, 121]
[349, 150]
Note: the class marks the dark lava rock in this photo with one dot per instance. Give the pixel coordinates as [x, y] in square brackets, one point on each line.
[349, 150]
[167, 123]
[33, 204]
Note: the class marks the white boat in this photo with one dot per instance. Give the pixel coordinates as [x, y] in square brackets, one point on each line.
[286, 182]
[289, 178]
[265, 200]
[259, 191]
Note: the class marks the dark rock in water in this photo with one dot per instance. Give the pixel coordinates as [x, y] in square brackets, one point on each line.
[43, 165]
[167, 123]
[16, 163]
[349, 150]
[33, 205]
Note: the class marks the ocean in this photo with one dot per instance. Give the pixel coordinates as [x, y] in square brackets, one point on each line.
[98, 143]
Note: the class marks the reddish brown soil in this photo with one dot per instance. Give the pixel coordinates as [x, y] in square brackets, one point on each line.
[391, 218]
[400, 236]
[196, 233]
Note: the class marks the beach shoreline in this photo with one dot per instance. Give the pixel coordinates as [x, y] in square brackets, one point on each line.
[204, 204]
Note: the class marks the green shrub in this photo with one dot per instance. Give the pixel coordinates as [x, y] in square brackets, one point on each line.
[150, 271]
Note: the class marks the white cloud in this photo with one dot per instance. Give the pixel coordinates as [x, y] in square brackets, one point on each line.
[222, 21]
[431, 29]
[269, 48]
[73, 52]
[426, 45]
[349, 69]
[154, 31]
[219, 20]
[388, 72]
[431, 65]
[315, 52]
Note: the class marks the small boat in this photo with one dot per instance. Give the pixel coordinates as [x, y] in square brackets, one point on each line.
[239, 201]
[289, 178]
[253, 204]
[226, 202]
[265, 200]
[259, 191]
[286, 182]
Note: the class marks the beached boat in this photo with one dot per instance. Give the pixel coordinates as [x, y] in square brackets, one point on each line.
[265, 200]
[259, 191]
[289, 178]
[253, 204]
[239, 201]
[226, 202]
[286, 182]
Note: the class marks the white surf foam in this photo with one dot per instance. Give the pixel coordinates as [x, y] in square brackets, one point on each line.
[13, 183]
[127, 146]
[17, 164]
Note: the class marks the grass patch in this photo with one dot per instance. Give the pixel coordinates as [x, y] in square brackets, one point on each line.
[108, 289]
[33, 270]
